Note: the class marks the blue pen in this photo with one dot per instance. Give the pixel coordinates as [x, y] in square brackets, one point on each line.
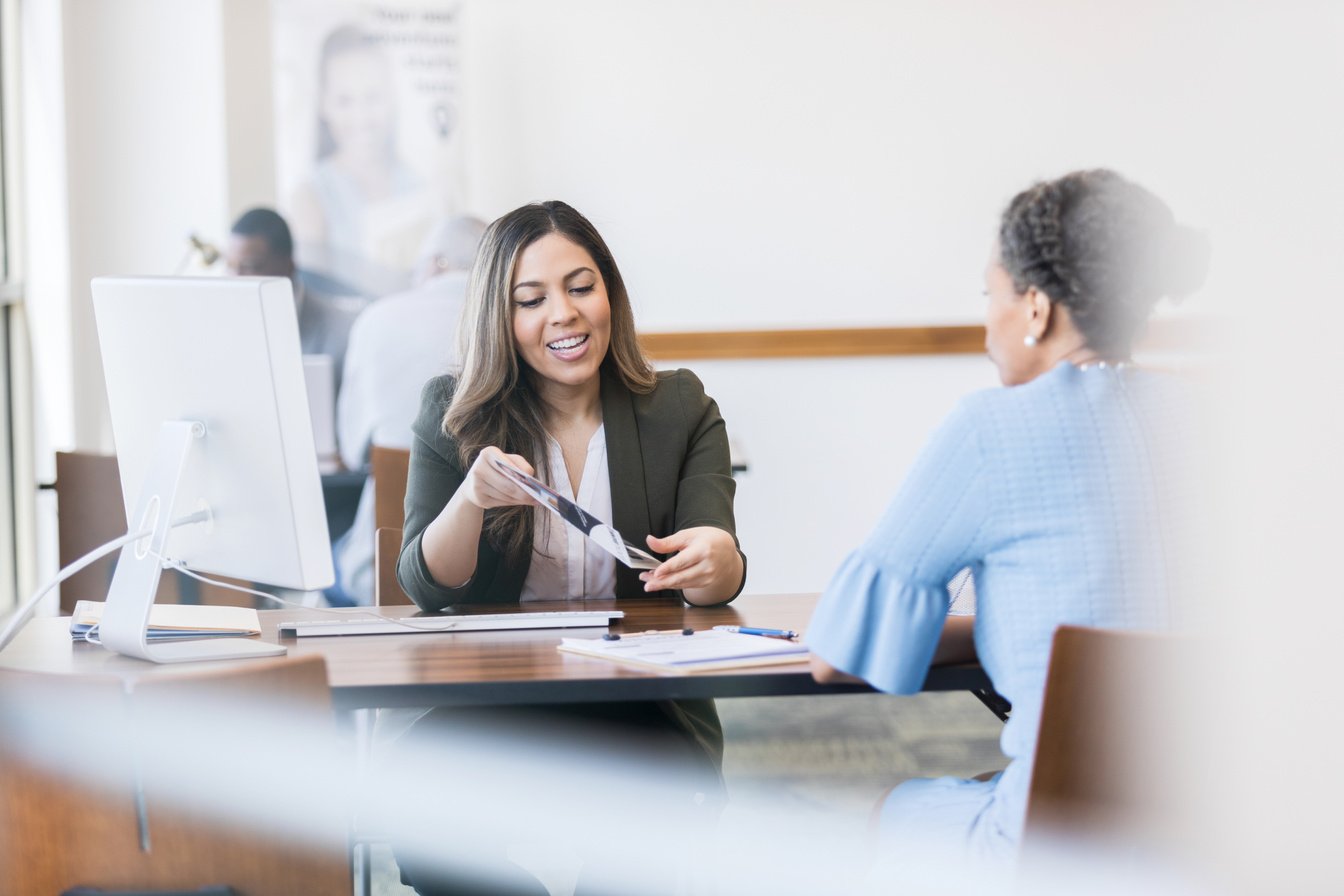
[764, 632]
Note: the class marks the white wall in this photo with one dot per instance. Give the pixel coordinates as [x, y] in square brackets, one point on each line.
[827, 442]
[760, 163]
[796, 164]
[248, 110]
[144, 87]
[146, 120]
[47, 237]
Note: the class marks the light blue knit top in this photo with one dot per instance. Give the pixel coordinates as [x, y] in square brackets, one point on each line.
[1064, 497]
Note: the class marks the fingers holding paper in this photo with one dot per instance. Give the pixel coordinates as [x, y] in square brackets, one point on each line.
[706, 566]
[487, 486]
[449, 543]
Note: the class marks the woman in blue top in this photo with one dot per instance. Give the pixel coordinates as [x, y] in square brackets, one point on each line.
[1062, 493]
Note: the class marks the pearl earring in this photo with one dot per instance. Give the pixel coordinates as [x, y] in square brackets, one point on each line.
[1029, 341]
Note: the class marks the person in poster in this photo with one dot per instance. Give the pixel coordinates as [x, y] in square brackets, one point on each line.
[361, 199]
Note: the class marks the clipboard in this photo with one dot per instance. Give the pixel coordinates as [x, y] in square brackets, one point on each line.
[604, 536]
[702, 651]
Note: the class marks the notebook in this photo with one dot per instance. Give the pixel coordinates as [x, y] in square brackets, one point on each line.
[168, 622]
[367, 622]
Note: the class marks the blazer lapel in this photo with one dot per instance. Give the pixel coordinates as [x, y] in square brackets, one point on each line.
[625, 464]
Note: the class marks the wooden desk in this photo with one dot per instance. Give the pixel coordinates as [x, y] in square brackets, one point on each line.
[474, 668]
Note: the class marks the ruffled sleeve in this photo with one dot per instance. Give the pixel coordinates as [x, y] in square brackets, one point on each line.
[871, 624]
[882, 613]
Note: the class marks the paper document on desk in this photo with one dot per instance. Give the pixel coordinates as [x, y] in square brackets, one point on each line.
[702, 651]
[169, 622]
[599, 532]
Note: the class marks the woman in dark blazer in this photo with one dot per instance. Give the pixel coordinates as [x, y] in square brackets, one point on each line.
[549, 362]
[554, 383]
[668, 456]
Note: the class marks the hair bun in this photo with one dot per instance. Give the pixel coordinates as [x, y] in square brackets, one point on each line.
[1186, 262]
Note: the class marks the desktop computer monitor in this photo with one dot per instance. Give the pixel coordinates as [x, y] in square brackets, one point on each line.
[209, 407]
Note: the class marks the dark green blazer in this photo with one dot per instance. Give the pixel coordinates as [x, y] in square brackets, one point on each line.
[667, 453]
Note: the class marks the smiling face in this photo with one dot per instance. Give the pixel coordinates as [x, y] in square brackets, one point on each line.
[561, 315]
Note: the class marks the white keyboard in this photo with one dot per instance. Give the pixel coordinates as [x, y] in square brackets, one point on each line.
[367, 622]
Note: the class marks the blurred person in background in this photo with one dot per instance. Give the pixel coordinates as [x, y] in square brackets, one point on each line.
[260, 245]
[397, 345]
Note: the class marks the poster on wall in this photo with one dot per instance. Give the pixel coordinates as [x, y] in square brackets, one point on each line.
[367, 148]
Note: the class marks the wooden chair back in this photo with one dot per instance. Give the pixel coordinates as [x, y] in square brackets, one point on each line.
[90, 513]
[59, 829]
[1101, 760]
[386, 589]
[388, 467]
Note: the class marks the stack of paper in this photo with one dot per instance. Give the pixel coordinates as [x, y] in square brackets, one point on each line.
[698, 652]
[176, 621]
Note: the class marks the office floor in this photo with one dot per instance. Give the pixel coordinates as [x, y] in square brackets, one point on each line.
[832, 755]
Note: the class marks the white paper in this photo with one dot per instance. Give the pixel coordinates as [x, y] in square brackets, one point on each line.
[703, 650]
[604, 536]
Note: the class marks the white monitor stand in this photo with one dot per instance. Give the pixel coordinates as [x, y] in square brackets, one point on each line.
[211, 421]
[125, 619]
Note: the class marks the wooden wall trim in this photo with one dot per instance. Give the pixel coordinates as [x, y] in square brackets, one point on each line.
[829, 343]
[1163, 335]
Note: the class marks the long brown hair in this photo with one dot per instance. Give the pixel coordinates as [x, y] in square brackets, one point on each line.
[495, 402]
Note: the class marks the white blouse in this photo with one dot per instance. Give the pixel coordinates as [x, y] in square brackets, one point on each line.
[565, 564]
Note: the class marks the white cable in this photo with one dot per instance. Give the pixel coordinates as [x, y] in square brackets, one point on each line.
[21, 614]
[17, 619]
[344, 613]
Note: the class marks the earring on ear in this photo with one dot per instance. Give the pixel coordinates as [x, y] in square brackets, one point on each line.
[1029, 341]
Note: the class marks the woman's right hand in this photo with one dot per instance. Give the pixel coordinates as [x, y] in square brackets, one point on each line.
[451, 540]
[486, 485]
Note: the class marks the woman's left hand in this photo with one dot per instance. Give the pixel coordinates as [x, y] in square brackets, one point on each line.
[706, 567]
